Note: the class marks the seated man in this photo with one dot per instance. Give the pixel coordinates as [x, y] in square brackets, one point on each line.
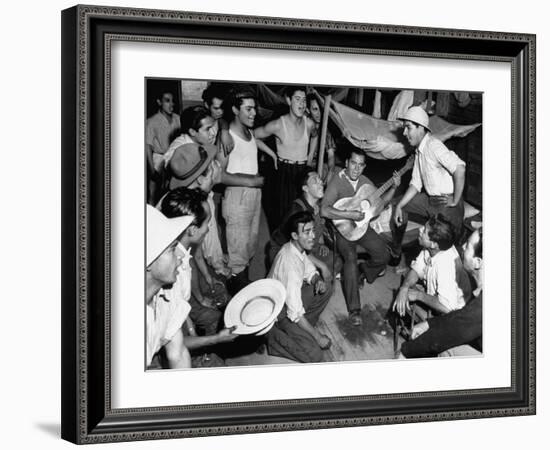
[439, 266]
[320, 255]
[459, 332]
[346, 184]
[294, 335]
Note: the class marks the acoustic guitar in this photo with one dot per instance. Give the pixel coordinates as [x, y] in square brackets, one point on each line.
[368, 200]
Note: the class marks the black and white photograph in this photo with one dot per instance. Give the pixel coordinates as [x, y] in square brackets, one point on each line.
[295, 223]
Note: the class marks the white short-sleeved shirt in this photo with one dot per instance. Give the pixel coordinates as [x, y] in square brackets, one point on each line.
[434, 165]
[439, 273]
[292, 268]
[168, 310]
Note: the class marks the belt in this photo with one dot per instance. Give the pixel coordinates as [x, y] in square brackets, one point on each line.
[288, 161]
[440, 195]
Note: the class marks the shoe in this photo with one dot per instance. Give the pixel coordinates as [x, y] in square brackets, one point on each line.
[355, 318]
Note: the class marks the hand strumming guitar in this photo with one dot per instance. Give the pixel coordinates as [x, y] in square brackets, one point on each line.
[356, 215]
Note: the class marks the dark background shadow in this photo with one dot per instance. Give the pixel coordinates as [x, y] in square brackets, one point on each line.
[53, 429]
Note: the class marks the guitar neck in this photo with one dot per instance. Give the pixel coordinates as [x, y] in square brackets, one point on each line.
[382, 189]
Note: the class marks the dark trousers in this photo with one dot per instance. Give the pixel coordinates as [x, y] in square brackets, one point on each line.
[288, 340]
[206, 320]
[463, 326]
[378, 257]
[286, 188]
[419, 209]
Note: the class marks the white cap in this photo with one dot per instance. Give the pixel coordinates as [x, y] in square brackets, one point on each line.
[162, 231]
[417, 115]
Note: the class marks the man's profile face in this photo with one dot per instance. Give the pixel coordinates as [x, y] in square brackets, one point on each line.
[166, 103]
[424, 237]
[206, 134]
[315, 185]
[305, 237]
[470, 261]
[199, 234]
[297, 103]
[413, 132]
[215, 108]
[246, 112]
[165, 267]
[355, 165]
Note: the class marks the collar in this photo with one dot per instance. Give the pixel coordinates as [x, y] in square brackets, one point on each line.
[162, 294]
[345, 175]
[300, 254]
[185, 255]
[442, 254]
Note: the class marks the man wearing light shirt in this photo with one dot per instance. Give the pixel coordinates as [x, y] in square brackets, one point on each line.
[437, 180]
[294, 335]
[439, 266]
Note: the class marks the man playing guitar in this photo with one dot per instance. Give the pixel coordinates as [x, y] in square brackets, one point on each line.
[345, 184]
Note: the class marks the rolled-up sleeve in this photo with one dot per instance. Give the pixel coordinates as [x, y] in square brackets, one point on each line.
[294, 306]
[309, 270]
[447, 158]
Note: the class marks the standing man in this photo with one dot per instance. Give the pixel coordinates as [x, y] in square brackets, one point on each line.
[330, 145]
[345, 184]
[213, 97]
[294, 335]
[160, 129]
[294, 134]
[437, 170]
[241, 206]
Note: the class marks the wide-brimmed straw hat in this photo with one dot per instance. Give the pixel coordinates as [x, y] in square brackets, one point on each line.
[162, 231]
[417, 115]
[255, 307]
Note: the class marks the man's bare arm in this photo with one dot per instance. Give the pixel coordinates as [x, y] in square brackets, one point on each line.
[177, 353]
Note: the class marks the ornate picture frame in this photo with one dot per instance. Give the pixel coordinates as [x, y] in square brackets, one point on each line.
[88, 33]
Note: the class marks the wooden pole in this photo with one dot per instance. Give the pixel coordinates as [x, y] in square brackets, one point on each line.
[323, 141]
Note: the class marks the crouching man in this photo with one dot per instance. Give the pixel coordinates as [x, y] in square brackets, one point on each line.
[294, 335]
[439, 266]
[458, 333]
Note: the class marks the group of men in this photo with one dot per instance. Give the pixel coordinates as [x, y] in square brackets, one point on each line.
[218, 146]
